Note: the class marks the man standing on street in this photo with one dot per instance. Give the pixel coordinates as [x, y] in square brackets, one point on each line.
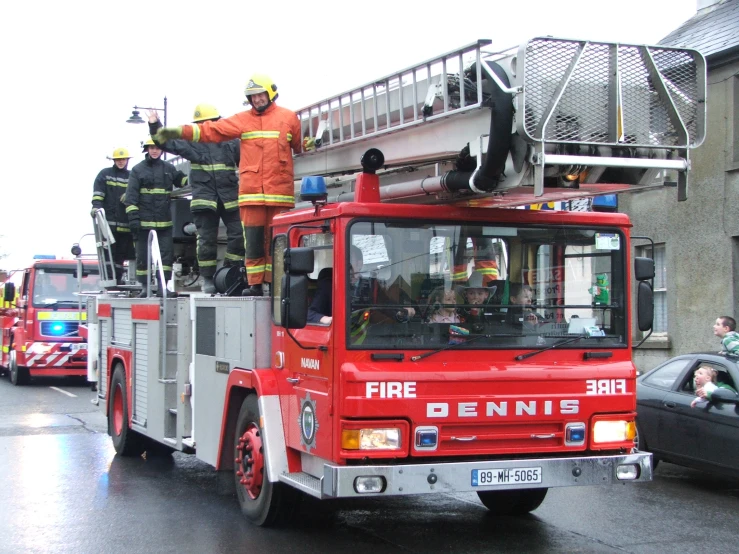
[148, 208]
[109, 186]
[268, 133]
[215, 189]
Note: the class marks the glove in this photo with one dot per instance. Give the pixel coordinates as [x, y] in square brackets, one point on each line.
[167, 133]
[134, 225]
[92, 212]
[309, 143]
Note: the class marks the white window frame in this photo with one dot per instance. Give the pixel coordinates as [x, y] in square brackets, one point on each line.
[660, 287]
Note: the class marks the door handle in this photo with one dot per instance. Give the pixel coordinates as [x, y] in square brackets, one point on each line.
[293, 380]
[670, 404]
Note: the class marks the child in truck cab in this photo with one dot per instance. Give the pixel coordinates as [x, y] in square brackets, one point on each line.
[442, 303]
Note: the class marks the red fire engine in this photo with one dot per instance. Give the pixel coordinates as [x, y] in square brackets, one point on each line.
[40, 321]
[377, 396]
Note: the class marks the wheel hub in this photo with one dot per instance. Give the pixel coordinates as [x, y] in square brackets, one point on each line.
[118, 410]
[250, 461]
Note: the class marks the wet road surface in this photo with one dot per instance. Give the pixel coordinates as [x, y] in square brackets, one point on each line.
[63, 489]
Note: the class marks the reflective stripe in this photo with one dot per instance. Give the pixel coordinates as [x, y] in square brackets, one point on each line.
[132, 209]
[196, 133]
[269, 268]
[98, 197]
[141, 272]
[234, 257]
[231, 205]
[214, 167]
[156, 224]
[206, 203]
[255, 269]
[166, 268]
[289, 137]
[123, 229]
[359, 333]
[123, 184]
[262, 198]
[154, 191]
[461, 276]
[207, 263]
[260, 134]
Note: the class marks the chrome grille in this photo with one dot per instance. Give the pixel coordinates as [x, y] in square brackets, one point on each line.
[606, 93]
[485, 437]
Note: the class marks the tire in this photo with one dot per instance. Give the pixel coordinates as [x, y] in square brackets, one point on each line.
[512, 502]
[18, 375]
[126, 441]
[640, 445]
[262, 502]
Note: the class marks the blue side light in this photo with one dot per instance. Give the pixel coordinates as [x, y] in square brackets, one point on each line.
[44, 257]
[427, 438]
[57, 329]
[575, 434]
[313, 189]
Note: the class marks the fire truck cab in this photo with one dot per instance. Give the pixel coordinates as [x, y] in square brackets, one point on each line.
[40, 319]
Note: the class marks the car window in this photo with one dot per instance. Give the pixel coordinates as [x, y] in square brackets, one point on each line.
[722, 377]
[664, 377]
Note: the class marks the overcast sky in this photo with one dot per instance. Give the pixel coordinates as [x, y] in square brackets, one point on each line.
[72, 71]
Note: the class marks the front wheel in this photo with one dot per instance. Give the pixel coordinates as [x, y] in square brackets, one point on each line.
[262, 502]
[126, 441]
[18, 375]
[512, 502]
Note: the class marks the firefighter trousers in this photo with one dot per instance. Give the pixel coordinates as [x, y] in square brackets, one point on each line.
[207, 223]
[122, 250]
[257, 241]
[166, 249]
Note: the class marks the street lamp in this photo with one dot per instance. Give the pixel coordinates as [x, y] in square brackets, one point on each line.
[136, 117]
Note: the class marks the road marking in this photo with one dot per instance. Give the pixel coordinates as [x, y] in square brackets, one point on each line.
[64, 392]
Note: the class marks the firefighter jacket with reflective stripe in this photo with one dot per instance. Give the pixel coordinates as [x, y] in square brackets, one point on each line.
[266, 166]
[148, 194]
[110, 184]
[213, 168]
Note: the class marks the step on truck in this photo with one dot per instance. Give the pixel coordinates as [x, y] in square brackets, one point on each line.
[407, 199]
[40, 319]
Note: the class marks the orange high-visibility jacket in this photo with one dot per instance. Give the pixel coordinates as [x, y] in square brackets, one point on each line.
[266, 165]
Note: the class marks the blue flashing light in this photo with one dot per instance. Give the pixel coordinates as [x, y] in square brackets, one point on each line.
[57, 329]
[575, 434]
[426, 439]
[605, 203]
[313, 189]
[44, 257]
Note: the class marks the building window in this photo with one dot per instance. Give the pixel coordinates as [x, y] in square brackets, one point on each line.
[660, 286]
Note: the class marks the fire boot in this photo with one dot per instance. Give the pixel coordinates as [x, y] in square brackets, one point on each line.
[161, 288]
[253, 290]
[208, 286]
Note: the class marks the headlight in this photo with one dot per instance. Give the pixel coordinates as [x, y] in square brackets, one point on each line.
[613, 431]
[370, 439]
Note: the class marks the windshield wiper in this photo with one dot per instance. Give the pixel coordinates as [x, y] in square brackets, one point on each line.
[555, 345]
[448, 347]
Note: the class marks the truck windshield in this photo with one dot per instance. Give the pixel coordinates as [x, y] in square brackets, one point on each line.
[53, 286]
[436, 284]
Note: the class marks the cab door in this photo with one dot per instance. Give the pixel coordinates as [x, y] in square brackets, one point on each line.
[307, 375]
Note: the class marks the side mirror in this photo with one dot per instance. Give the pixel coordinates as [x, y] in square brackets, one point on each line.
[298, 261]
[724, 395]
[643, 269]
[9, 292]
[644, 306]
[294, 307]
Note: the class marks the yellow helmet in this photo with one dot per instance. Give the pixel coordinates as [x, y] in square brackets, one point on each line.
[120, 154]
[147, 142]
[204, 112]
[261, 83]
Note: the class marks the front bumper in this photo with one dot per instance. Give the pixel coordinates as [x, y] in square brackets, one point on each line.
[338, 481]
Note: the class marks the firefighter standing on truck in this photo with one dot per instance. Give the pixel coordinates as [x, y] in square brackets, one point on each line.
[110, 185]
[148, 207]
[215, 189]
[268, 132]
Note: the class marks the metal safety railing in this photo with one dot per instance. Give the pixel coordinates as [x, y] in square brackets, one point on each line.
[104, 240]
[434, 89]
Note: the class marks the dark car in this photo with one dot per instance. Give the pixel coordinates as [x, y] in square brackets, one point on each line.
[704, 437]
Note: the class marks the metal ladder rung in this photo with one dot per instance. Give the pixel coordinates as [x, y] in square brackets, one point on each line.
[172, 411]
[168, 381]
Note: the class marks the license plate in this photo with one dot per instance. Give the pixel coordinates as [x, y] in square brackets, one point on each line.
[509, 476]
[76, 347]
